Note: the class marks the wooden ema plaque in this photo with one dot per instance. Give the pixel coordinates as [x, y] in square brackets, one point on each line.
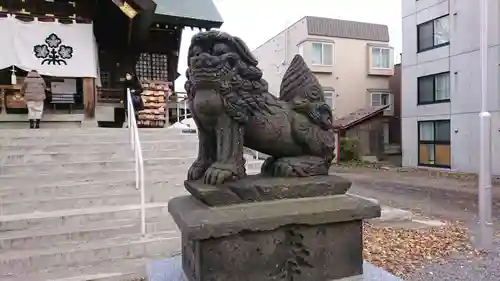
[154, 97]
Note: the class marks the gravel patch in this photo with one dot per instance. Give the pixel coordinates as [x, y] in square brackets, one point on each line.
[463, 267]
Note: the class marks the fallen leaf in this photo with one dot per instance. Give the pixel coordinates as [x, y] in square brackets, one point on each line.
[401, 251]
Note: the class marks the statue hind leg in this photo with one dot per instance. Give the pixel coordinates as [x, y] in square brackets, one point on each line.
[229, 163]
[300, 166]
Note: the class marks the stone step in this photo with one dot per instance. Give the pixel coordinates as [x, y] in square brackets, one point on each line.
[86, 138]
[91, 166]
[161, 183]
[104, 198]
[77, 188]
[96, 146]
[114, 276]
[78, 217]
[45, 237]
[75, 254]
[117, 270]
[151, 172]
[88, 176]
[23, 133]
[69, 210]
[15, 158]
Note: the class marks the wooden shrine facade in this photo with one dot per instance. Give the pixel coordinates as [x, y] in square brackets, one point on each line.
[143, 36]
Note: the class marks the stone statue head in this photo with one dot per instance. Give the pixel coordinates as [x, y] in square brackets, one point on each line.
[217, 60]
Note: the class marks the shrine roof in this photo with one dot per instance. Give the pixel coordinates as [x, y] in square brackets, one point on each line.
[195, 13]
[347, 29]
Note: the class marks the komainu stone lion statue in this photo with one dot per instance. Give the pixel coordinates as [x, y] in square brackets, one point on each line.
[232, 108]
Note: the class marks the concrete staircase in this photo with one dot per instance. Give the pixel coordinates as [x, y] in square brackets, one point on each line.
[69, 209]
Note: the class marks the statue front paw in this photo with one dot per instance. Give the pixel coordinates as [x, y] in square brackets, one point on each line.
[196, 171]
[215, 176]
[220, 173]
[276, 167]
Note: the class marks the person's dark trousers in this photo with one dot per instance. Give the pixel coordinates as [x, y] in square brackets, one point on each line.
[37, 124]
[32, 124]
[119, 115]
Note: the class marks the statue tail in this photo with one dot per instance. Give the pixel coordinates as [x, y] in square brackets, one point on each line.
[302, 91]
[300, 83]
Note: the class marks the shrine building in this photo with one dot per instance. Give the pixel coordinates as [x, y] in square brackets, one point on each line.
[83, 48]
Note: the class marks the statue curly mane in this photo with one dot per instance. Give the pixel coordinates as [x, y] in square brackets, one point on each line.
[246, 92]
[248, 79]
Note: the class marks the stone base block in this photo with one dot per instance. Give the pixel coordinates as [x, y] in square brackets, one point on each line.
[316, 238]
[261, 188]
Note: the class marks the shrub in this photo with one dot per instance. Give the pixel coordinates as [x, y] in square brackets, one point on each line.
[348, 149]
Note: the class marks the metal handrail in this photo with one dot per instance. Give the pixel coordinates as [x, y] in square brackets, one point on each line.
[139, 160]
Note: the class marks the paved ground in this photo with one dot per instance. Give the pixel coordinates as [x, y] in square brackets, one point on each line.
[439, 198]
[463, 268]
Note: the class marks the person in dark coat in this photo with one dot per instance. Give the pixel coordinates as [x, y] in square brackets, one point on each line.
[132, 83]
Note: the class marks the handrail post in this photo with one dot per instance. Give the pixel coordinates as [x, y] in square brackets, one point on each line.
[129, 118]
[139, 160]
[136, 171]
[143, 197]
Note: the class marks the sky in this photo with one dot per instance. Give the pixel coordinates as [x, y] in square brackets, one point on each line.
[259, 20]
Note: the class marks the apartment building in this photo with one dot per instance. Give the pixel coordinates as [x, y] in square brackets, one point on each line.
[352, 60]
[441, 83]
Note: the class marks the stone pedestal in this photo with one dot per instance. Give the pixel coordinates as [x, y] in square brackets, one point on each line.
[299, 239]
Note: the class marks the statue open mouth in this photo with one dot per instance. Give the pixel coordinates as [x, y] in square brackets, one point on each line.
[207, 70]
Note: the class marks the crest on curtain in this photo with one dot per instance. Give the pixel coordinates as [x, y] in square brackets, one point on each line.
[53, 52]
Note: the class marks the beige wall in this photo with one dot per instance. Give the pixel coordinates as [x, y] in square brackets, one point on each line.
[273, 53]
[348, 76]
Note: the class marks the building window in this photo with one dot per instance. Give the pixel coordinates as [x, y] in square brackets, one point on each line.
[434, 143]
[434, 88]
[381, 58]
[329, 98]
[322, 54]
[433, 34]
[381, 98]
